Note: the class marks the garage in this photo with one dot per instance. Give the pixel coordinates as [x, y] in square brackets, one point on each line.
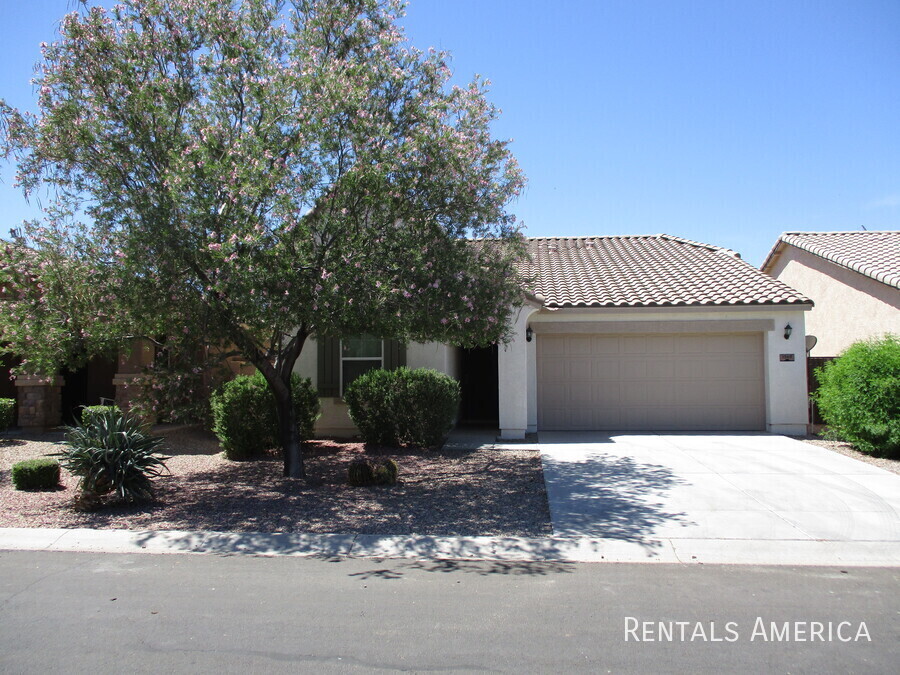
[653, 382]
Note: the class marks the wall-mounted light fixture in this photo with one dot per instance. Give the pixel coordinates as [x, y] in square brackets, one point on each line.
[787, 332]
[528, 334]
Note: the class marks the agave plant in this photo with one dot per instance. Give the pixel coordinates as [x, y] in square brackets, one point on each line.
[112, 453]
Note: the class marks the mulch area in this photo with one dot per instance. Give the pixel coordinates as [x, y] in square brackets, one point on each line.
[458, 492]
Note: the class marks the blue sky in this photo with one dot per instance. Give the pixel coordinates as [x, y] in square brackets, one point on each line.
[722, 121]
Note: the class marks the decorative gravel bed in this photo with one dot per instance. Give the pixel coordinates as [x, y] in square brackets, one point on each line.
[451, 492]
[850, 451]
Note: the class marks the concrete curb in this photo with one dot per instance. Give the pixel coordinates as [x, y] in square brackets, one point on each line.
[512, 549]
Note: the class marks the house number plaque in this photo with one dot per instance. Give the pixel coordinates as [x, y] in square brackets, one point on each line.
[785, 357]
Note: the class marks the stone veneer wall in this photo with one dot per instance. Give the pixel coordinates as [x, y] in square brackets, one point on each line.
[40, 401]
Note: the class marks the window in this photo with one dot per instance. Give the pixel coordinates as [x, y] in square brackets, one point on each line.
[359, 355]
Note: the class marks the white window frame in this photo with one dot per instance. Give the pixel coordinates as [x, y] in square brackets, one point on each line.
[356, 358]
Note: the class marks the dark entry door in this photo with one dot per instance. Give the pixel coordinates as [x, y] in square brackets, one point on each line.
[479, 385]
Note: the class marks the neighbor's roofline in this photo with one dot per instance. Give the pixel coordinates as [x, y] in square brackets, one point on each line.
[781, 244]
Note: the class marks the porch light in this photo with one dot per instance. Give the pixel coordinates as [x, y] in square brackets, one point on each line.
[787, 332]
[528, 334]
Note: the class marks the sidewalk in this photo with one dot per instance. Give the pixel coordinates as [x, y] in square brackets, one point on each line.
[514, 549]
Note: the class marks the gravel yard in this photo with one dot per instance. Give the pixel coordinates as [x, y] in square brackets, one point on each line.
[452, 492]
[848, 450]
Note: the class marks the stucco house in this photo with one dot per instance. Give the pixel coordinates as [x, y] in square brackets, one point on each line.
[853, 277]
[638, 333]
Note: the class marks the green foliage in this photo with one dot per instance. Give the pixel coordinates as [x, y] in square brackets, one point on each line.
[245, 418]
[251, 177]
[362, 472]
[859, 396]
[89, 413]
[36, 474]
[7, 413]
[113, 454]
[403, 406]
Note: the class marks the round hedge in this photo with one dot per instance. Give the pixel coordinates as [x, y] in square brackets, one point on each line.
[403, 407]
[245, 418]
[859, 396]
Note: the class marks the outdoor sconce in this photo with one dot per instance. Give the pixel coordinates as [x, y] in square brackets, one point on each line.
[528, 334]
[787, 332]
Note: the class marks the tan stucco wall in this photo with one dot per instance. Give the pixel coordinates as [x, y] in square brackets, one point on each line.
[848, 306]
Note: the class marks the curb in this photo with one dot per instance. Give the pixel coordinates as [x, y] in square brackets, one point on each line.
[512, 549]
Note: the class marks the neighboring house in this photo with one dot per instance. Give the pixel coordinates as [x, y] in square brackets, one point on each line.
[637, 333]
[853, 277]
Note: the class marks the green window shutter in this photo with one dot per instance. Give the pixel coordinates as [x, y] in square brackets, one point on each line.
[329, 366]
[394, 354]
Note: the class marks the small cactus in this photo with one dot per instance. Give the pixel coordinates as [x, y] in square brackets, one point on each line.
[363, 472]
[360, 472]
[386, 472]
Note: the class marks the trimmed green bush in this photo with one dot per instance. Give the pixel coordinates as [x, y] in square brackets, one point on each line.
[403, 407]
[36, 474]
[245, 418]
[90, 412]
[113, 454]
[7, 413]
[859, 396]
[362, 472]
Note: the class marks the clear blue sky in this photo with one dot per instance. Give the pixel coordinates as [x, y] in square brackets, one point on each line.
[722, 121]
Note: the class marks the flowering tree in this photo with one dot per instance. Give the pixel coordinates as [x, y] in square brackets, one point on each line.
[255, 172]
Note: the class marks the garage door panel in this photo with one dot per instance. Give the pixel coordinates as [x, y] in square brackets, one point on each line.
[607, 394]
[691, 344]
[605, 369]
[660, 369]
[579, 345]
[552, 345]
[656, 382]
[740, 369]
[580, 369]
[607, 345]
[581, 393]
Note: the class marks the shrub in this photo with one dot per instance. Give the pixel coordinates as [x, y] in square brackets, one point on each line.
[859, 396]
[90, 412]
[112, 453]
[362, 472]
[36, 474]
[403, 406]
[245, 418]
[7, 412]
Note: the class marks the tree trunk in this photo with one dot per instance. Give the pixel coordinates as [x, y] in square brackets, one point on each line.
[287, 430]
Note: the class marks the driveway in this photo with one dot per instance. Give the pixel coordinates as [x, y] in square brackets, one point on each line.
[720, 493]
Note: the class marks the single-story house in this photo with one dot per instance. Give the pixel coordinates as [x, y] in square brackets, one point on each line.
[854, 278]
[638, 333]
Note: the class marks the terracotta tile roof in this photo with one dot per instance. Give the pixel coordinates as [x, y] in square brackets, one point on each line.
[646, 271]
[875, 254]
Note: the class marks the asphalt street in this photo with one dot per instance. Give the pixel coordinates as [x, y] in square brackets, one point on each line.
[115, 613]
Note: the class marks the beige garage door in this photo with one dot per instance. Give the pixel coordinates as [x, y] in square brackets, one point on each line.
[651, 382]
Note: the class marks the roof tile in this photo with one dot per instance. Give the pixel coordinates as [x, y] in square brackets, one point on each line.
[646, 271]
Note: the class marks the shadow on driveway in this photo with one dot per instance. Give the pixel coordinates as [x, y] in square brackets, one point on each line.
[602, 495]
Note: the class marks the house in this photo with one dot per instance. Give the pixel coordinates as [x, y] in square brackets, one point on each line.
[854, 278]
[637, 333]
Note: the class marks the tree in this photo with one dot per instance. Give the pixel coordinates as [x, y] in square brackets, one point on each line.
[255, 172]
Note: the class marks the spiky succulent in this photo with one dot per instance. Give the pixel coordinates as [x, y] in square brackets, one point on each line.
[113, 453]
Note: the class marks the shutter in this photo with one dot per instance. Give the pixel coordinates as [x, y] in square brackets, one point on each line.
[394, 354]
[329, 366]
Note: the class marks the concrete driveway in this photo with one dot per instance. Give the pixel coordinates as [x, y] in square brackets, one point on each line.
[723, 497]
